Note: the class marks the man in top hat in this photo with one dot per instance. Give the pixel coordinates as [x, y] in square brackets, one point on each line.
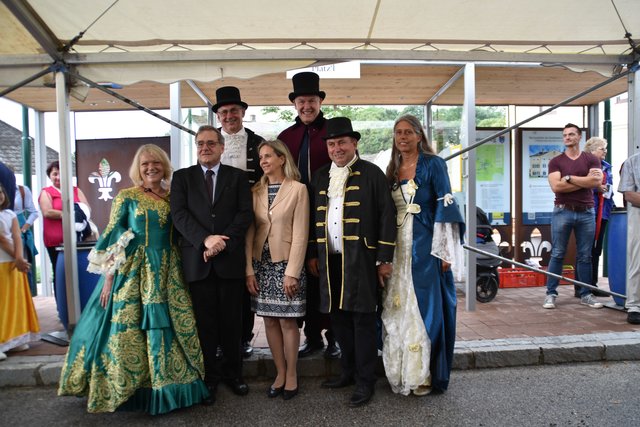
[304, 140]
[351, 244]
[240, 151]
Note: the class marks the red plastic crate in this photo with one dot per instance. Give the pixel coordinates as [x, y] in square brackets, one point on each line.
[518, 278]
[567, 271]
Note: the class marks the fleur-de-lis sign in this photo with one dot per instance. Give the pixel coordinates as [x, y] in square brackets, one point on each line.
[536, 245]
[103, 178]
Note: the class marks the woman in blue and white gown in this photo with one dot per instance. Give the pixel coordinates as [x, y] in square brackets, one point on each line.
[419, 301]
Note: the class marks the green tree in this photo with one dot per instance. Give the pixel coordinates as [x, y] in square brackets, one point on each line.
[282, 115]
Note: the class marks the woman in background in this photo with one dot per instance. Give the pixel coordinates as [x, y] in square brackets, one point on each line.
[18, 319]
[27, 215]
[136, 346]
[276, 245]
[50, 201]
[603, 204]
[419, 301]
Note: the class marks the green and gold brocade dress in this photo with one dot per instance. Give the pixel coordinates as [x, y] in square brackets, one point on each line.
[141, 352]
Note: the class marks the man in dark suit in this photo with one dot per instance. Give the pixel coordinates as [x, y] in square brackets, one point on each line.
[351, 244]
[240, 151]
[211, 208]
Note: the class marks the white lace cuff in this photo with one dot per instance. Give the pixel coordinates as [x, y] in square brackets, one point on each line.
[446, 240]
[446, 246]
[111, 259]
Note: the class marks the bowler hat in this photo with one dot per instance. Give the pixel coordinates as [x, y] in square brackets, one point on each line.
[228, 95]
[306, 83]
[340, 126]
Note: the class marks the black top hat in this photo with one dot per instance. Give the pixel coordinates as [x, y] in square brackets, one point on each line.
[340, 126]
[306, 83]
[228, 95]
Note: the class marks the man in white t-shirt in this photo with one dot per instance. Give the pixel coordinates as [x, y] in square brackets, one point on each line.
[630, 187]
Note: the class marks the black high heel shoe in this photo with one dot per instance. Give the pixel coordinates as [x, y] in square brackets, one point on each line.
[275, 392]
[289, 394]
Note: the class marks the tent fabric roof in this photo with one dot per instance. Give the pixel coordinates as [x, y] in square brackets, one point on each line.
[127, 42]
[567, 26]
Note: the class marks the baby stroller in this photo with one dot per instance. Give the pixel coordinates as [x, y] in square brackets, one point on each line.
[487, 278]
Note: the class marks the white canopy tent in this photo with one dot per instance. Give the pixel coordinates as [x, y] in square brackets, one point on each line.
[127, 42]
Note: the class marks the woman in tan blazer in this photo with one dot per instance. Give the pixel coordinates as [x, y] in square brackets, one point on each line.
[275, 248]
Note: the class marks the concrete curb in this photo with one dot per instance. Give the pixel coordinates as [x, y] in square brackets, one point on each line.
[480, 354]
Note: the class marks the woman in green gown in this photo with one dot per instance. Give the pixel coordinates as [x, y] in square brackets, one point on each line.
[135, 346]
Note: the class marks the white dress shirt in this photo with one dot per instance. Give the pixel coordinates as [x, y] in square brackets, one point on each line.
[235, 149]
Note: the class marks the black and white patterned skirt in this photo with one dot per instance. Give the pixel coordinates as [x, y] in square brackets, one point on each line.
[271, 300]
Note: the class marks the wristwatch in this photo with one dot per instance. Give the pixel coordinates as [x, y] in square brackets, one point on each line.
[567, 178]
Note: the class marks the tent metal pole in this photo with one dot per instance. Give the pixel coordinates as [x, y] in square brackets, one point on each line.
[40, 148]
[129, 101]
[176, 116]
[541, 113]
[25, 81]
[36, 27]
[68, 212]
[26, 149]
[468, 137]
[200, 93]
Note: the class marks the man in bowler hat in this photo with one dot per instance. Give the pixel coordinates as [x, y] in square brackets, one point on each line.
[351, 244]
[240, 151]
[304, 140]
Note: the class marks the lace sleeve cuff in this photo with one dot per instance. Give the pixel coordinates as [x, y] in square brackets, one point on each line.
[446, 242]
[109, 260]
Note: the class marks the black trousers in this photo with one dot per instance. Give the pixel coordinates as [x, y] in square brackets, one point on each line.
[314, 320]
[248, 316]
[356, 334]
[217, 305]
[596, 251]
[53, 256]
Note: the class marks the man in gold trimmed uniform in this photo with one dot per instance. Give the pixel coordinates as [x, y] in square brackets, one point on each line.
[352, 238]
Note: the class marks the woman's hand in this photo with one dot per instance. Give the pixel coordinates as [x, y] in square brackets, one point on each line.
[22, 265]
[291, 286]
[106, 290]
[252, 285]
[445, 266]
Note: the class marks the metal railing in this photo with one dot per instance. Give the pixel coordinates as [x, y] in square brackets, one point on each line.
[546, 273]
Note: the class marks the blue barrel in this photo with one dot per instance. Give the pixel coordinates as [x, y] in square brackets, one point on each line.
[86, 281]
[617, 253]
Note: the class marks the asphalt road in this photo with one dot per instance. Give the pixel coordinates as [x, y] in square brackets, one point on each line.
[603, 394]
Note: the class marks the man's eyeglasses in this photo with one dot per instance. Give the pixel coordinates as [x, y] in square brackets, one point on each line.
[208, 144]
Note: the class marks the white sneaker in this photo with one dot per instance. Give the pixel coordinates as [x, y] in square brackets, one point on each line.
[23, 347]
[590, 301]
[2, 356]
[549, 301]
